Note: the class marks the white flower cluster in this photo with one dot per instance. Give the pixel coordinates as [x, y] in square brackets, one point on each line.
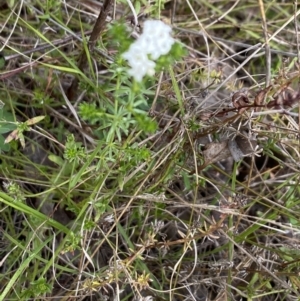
[155, 41]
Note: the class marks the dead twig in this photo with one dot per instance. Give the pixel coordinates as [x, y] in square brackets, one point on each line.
[98, 28]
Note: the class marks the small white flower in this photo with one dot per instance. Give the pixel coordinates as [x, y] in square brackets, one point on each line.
[156, 27]
[139, 70]
[163, 47]
[147, 44]
[154, 42]
[135, 55]
[140, 64]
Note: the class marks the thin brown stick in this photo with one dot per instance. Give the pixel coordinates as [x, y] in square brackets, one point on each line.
[98, 28]
[267, 46]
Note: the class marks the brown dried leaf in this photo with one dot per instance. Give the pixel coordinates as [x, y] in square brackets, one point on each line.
[216, 151]
[205, 116]
[286, 98]
[240, 99]
[14, 135]
[261, 95]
